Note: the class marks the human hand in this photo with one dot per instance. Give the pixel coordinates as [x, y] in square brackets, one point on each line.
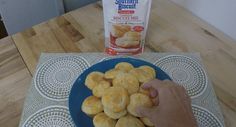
[172, 105]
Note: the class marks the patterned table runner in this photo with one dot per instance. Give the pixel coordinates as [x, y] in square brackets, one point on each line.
[47, 101]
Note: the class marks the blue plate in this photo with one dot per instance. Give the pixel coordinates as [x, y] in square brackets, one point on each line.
[79, 91]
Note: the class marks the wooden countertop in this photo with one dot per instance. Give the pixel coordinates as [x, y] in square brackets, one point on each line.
[171, 29]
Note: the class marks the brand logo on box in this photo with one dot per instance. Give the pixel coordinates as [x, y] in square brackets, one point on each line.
[126, 6]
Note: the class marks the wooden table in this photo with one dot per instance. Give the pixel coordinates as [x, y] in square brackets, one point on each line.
[171, 29]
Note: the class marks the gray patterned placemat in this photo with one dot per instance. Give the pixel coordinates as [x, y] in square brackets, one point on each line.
[47, 102]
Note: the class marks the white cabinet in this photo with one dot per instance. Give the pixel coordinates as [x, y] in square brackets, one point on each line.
[18, 15]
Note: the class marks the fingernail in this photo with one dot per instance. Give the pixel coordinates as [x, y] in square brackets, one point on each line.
[145, 86]
[153, 93]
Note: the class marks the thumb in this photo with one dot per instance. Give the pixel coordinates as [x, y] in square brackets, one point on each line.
[144, 111]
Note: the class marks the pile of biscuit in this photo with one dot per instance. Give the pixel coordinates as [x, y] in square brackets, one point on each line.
[117, 94]
[125, 36]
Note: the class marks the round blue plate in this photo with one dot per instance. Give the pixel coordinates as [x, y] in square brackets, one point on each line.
[79, 91]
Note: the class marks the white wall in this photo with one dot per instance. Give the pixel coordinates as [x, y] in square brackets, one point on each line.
[219, 13]
[18, 15]
[74, 4]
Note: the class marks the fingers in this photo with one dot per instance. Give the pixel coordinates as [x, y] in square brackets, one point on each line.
[182, 92]
[144, 111]
[155, 101]
[153, 93]
[156, 84]
[152, 83]
[186, 99]
[153, 87]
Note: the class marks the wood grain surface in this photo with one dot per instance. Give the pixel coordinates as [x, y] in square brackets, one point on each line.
[171, 29]
[14, 82]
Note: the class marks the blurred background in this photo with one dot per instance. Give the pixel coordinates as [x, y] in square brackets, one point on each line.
[17, 15]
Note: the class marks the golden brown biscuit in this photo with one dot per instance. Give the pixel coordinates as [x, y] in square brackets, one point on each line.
[141, 75]
[92, 105]
[132, 35]
[123, 42]
[124, 66]
[137, 100]
[102, 120]
[127, 81]
[129, 121]
[98, 90]
[129, 39]
[147, 122]
[120, 30]
[115, 115]
[93, 79]
[111, 74]
[149, 70]
[115, 99]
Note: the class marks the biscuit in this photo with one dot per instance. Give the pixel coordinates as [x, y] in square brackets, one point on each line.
[124, 66]
[122, 42]
[149, 70]
[93, 79]
[98, 90]
[147, 122]
[102, 120]
[136, 36]
[92, 105]
[127, 81]
[120, 30]
[115, 99]
[141, 75]
[129, 39]
[137, 100]
[115, 115]
[129, 121]
[111, 74]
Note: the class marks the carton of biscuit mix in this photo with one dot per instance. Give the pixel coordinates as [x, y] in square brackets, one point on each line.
[125, 23]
